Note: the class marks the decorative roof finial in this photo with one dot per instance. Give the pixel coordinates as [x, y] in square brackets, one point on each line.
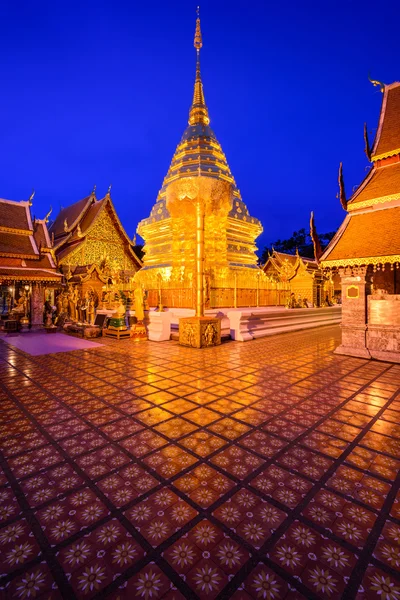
[315, 239]
[198, 112]
[367, 148]
[46, 219]
[377, 83]
[31, 197]
[342, 193]
[94, 189]
[109, 189]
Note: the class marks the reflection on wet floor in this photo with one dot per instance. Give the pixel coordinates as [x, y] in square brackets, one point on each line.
[260, 470]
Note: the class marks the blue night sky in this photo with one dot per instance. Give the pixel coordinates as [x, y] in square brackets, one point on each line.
[98, 92]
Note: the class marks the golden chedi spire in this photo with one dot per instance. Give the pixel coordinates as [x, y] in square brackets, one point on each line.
[199, 170]
[198, 111]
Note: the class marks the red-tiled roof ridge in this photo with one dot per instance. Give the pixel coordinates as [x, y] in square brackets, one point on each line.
[387, 139]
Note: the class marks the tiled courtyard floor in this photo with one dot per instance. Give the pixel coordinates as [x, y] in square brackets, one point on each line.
[262, 470]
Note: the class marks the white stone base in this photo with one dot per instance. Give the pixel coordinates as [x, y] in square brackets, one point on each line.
[250, 324]
[159, 327]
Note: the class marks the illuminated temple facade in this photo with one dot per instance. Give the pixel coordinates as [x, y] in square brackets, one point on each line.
[92, 248]
[232, 277]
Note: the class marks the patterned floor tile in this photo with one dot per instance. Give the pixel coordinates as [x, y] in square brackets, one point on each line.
[266, 470]
[160, 516]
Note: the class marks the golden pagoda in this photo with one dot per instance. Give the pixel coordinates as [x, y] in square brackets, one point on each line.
[199, 171]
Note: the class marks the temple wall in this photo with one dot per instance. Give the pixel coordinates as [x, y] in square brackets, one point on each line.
[383, 333]
[354, 312]
[222, 297]
[387, 279]
[370, 321]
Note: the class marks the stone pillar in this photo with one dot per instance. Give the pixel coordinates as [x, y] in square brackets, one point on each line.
[354, 312]
[37, 303]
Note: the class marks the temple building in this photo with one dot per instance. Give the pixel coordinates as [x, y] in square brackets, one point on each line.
[302, 277]
[366, 248]
[232, 277]
[28, 273]
[92, 248]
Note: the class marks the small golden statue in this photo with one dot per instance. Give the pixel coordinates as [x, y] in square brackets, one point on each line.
[138, 331]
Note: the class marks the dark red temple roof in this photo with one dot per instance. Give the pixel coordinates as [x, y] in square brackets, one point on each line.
[9, 273]
[387, 141]
[379, 183]
[11, 243]
[15, 215]
[357, 238]
[72, 214]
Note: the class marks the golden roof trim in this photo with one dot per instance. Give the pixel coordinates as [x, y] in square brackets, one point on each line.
[385, 155]
[372, 202]
[358, 262]
[5, 229]
[32, 256]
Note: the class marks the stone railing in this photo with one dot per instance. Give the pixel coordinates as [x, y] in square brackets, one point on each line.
[248, 324]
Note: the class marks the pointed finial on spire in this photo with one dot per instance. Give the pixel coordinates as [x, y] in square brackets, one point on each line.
[31, 197]
[94, 189]
[198, 40]
[198, 112]
[109, 189]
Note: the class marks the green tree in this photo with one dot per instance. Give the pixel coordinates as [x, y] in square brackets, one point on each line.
[301, 241]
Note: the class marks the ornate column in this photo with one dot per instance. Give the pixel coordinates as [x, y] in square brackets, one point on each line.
[37, 306]
[200, 258]
[354, 312]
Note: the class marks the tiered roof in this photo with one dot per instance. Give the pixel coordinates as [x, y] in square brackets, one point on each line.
[74, 223]
[25, 245]
[370, 231]
[287, 265]
[199, 152]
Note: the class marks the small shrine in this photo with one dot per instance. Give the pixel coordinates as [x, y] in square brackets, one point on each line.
[366, 249]
[28, 274]
[307, 286]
